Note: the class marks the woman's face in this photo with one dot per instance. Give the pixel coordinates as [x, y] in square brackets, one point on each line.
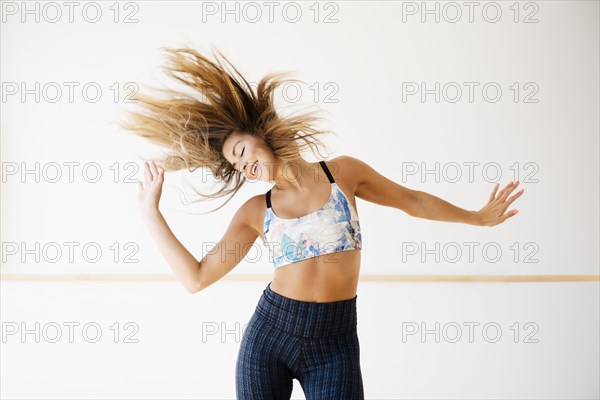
[250, 155]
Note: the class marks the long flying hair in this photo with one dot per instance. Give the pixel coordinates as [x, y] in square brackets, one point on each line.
[193, 127]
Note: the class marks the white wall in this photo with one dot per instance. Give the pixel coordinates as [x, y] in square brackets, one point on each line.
[360, 64]
[546, 346]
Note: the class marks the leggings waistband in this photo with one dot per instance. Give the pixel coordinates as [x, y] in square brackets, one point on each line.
[309, 319]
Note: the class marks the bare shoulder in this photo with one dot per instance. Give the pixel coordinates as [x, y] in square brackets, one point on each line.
[348, 170]
[348, 163]
[368, 184]
[252, 212]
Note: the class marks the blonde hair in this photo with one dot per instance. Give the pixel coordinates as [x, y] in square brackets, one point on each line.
[194, 131]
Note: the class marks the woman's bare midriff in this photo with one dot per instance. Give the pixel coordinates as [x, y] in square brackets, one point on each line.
[326, 278]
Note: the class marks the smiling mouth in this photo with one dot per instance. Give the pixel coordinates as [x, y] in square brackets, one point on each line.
[253, 168]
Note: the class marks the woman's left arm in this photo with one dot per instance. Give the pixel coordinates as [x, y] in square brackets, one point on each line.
[493, 213]
[374, 187]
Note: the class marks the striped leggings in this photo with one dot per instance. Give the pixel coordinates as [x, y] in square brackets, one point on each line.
[315, 343]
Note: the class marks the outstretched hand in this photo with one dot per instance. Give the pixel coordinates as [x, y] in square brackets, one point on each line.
[151, 189]
[493, 213]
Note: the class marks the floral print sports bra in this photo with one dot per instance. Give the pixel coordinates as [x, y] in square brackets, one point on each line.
[332, 228]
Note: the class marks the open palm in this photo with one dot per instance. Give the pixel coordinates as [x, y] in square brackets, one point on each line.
[493, 213]
[151, 190]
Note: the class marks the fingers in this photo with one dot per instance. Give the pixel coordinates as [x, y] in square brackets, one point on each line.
[493, 195]
[513, 186]
[503, 191]
[153, 169]
[508, 215]
[160, 173]
[147, 174]
[151, 174]
[516, 196]
[507, 190]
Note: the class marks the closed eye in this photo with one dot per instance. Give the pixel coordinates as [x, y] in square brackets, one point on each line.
[241, 154]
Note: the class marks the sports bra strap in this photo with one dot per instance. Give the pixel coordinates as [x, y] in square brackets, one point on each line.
[327, 171]
[323, 165]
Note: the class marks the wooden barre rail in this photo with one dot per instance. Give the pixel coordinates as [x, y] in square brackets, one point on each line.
[363, 278]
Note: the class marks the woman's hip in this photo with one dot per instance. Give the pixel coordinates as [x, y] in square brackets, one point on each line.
[306, 319]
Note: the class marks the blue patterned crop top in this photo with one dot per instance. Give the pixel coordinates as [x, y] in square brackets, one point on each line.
[332, 228]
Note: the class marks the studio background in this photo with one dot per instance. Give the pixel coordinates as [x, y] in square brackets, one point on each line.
[367, 65]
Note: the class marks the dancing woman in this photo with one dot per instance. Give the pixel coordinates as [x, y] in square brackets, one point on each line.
[305, 323]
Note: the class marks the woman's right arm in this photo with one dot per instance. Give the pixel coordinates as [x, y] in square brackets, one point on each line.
[221, 259]
[182, 262]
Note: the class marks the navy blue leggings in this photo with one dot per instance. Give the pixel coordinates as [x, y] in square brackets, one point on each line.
[315, 343]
